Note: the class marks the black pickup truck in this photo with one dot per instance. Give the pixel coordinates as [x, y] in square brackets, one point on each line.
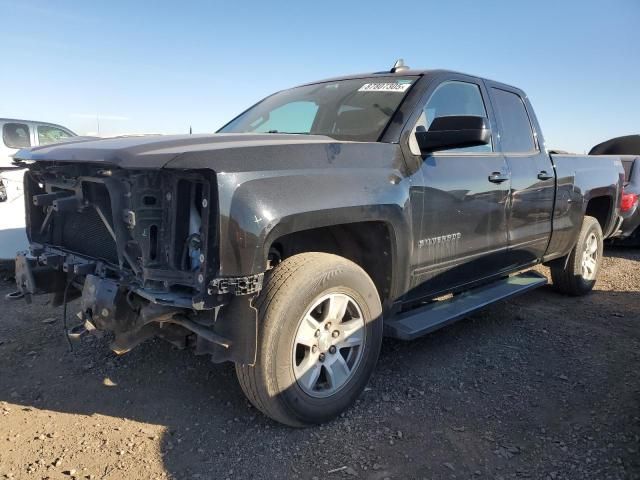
[316, 222]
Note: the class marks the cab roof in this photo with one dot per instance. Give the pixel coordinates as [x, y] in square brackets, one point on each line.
[406, 73]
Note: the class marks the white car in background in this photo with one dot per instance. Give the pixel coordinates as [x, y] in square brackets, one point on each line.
[17, 134]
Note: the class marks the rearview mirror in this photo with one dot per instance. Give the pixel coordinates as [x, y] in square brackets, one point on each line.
[456, 131]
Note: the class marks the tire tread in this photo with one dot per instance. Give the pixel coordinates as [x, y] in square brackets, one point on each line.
[249, 376]
[564, 274]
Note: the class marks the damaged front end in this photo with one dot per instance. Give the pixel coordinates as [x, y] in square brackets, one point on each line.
[139, 248]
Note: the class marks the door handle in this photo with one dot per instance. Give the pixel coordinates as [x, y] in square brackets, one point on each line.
[543, 175]
[498, 177]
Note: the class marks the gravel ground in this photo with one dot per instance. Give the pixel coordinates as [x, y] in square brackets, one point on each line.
[541, 387]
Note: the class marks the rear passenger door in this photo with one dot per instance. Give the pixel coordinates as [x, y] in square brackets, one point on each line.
[532, 190]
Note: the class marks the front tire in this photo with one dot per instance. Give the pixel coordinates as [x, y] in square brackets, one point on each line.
[577, 274]
[320, 322]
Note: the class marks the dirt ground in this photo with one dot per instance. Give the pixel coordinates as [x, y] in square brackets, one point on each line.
[540, 387]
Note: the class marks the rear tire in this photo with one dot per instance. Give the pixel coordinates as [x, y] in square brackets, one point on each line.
[576, 274]
[302, 377]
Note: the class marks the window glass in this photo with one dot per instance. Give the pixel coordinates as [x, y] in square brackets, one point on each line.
[16, 135]
[515, 128]
[48, 134]
[452, 98]
[356, 109]
[294, 117]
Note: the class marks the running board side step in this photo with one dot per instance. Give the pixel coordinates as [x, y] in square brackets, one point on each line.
[435, 315]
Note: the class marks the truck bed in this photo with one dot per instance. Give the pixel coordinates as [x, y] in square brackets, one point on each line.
[595, 174]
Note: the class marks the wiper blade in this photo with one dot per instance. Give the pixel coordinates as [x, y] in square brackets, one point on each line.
[288, 133]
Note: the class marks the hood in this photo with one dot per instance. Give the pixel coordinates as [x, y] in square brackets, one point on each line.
[155, 151]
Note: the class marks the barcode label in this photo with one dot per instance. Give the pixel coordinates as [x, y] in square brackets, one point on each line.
[384, 87]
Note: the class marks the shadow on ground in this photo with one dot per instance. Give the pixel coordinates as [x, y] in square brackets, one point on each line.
[542, 385]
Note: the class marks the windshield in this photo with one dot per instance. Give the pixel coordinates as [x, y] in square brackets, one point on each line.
[355, 109]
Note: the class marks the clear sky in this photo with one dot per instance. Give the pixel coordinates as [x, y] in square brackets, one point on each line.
[159, 67]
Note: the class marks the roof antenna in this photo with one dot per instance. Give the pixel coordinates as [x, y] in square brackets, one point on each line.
[399, 66]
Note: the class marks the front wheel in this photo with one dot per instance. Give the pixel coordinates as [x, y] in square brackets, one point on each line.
[576, 274]
[320, 322]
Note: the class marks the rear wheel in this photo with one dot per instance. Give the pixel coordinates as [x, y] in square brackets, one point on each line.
[576, 274]
[320, 323]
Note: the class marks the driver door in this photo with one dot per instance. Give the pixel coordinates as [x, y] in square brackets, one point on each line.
[464, 194]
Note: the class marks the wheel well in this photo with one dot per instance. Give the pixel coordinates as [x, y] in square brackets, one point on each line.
[600, 209]
[368, 244]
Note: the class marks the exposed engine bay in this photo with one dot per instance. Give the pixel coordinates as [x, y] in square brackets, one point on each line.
[139, 247]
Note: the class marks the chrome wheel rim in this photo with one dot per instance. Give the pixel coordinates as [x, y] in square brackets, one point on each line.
[590, 258]
[328, 345]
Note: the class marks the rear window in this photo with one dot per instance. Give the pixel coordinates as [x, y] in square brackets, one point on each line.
[16, 135]
[515, 127]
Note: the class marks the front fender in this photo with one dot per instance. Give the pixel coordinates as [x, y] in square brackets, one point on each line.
[256, 208]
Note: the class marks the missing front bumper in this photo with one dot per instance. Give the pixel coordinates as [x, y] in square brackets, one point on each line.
[226, 330]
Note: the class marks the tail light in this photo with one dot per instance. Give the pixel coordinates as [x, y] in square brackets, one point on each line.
[628, 201]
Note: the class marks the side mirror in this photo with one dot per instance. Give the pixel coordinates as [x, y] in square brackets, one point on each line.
[456, 131]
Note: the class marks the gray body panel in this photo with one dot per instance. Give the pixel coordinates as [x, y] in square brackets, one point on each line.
[155, 151]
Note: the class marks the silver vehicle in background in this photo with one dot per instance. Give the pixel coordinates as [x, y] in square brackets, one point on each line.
[15, 135]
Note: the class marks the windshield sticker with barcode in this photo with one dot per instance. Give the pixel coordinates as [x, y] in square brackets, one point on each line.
[384, 87]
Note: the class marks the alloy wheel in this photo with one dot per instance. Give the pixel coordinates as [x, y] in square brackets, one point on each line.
[328, 345]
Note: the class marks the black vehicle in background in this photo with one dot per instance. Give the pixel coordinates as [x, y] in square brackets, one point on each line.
[628, 148]
[314, 223]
